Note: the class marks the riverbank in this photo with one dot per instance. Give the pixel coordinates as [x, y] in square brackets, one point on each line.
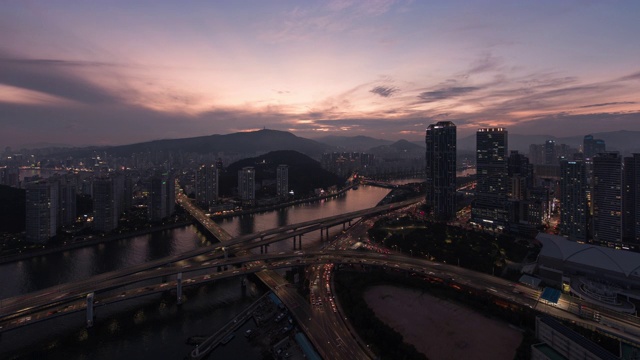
[93, 241]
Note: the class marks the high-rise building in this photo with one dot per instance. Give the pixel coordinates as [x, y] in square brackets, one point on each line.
[607, 197]
[207, 185]
[536, 154]
[440, 168]
[550, 155]
[282, 180]
[591, 147]
[573, 200]
[247, 184]
[631, 199]
[41, 211]
[105, 205]
[520, 173]
[161, 200]
[67, 201]
[490, 206]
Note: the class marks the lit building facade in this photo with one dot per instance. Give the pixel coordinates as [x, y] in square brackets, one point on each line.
[607, 197]
[282, 180]
[247, 184]
[490, 206]
[41, 211]
[207, 185]
[573, 200]
[631, 199]
[440, 168]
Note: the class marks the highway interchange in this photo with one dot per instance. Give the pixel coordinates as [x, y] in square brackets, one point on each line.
[324, 323]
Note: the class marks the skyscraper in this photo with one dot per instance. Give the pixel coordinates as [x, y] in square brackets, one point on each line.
[282, 180]
[207, 185]
[573, 200]
[41, 211]
[607, 197]
[591, 147]
[247, 184]
[550, 155]
[490, 206]
[631, 199]
[440, 168]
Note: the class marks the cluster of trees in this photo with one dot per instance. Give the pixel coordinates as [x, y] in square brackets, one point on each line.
[474, 250]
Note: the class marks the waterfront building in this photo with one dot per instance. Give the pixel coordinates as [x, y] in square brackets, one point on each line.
[161, 198]
[207, 185]
[573, 200]
[607, 197]
[105, 207]
[282, 181]
[440, 140]
[490, 206]
[247, 185]
[631, 199]
[67, 201]
[41, 210]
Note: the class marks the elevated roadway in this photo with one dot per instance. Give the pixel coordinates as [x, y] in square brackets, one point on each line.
[264, 263]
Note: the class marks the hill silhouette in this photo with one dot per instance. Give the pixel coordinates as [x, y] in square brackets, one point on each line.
[305, 174]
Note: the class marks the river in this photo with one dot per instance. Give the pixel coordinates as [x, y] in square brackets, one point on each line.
[152, 327]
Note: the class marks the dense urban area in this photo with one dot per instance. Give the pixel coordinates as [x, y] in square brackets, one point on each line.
[559, 225]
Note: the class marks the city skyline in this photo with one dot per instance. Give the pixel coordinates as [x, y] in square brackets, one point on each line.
[118, 73]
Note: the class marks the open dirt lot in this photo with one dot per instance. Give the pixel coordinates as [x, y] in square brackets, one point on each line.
[441, 329]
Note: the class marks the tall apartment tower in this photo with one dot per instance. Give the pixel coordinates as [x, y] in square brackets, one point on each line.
[41, 211]
[631, 199]
[247, 184]
[490, 206]
[440, 168]
[282, 180]
[573, 200]
[105, 205]
[591, 147]
[550, 154]
[207, 185]
[161, 200]
[67, 201]
[607, 197]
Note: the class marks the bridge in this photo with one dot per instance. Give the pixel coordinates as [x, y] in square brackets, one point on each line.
[212, 263]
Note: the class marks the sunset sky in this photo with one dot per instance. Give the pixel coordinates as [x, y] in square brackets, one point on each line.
[118, 72]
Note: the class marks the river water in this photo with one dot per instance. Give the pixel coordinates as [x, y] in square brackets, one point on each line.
[152, 327]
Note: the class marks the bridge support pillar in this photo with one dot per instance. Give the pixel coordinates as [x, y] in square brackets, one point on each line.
[266, 248]
[344, 226]
[89, 310]
[300, 242]
[294, 242]
[179, 288]
[261, 249]
[226, 254]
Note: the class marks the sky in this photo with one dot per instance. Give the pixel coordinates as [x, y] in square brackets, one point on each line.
[119, 72]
